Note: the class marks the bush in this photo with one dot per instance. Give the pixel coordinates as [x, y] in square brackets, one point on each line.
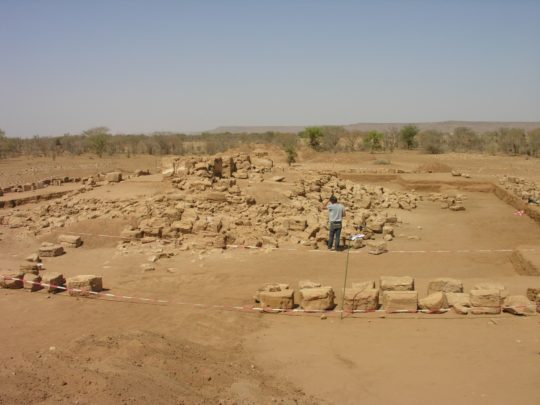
[431, 142]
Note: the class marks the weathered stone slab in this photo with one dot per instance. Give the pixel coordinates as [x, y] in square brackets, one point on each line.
[400, 301]
[51, 250]
[454, 299]
[32, 282]
[113, 177]
[433, 302]
[363, 285]
[85, 284]
[396, 283]
[461, 309]
[366, 299]
[488, 285]
[270, 287]
[485, 310]
[53, 281]
[519, 305]
[485, 298]
[28, 267]
[317, 299]
[70, 241]
[283, 299]
[376, 247]
[11, 279]
[308, 284]
[445, 284]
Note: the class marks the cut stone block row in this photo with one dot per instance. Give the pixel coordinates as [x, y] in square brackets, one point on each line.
[70, 241]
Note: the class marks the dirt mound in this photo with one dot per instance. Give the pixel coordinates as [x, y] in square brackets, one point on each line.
[434, 167]
[136, 367]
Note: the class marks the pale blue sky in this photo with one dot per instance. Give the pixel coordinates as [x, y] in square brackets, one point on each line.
[142, 66]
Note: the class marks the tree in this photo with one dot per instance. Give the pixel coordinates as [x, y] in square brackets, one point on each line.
[290, 150]
[3, 143]
[408, 133]
[533, 142]
[97, 139]
[374, 140]
[512, 141]
[313, 135]
[391, 138]
[431, 141]
[464, 140]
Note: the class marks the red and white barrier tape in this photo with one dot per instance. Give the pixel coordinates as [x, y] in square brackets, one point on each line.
[95, 293]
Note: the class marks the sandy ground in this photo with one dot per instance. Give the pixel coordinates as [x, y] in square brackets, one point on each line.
[60, 349]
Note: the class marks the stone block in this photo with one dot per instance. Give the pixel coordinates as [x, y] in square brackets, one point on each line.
[283, 299]
[84, 284]
[270, 287]
[70, 240]
[363, 285]
[28, 267]
[485, 310]
[33, 258]
[519, 305]
[454, 299]
[11, 279]
[317, 299]
[50, 250]
[434, 302]
[396, 283]
[297, 224]
[446, 285]
[376, 247]
[400, 301]
[485, 298]
[308, 284]
[32, 282]
[366, 299]
[492, 286]
[113, 177]
[532, 293]
[461, 309]
[53, 281]
[184, 226]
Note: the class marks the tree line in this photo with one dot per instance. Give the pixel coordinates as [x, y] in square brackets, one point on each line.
[101, 142]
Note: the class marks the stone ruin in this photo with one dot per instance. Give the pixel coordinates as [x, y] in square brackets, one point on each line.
[397, 294]
[453, 202]
[208, 207]
[526, 190]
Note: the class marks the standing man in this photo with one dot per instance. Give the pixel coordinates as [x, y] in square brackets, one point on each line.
[336, 212]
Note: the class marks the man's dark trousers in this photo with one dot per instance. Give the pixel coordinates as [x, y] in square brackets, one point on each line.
[335, 232]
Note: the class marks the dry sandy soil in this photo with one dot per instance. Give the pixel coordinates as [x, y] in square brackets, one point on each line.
[62, 349]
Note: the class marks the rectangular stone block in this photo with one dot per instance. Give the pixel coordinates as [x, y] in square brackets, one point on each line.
[283, 299]
[485, 310]
[458, 299]
[113, 177]
[70, 240]
[84, 284]
[519, 305]
[27, 267]
[446, 285]
[394, 283]
[376, 247]
[485, 298]
[11, 279]
[363, 285]
[51, 251]
[53, 281]
[361, 299]
[32, 282]
[400, 301]
[317, 299]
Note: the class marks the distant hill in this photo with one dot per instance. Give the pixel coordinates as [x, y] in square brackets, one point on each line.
[443, 126]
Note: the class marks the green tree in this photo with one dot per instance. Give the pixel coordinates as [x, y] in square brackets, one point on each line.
[97, 139]
[313, 135]
[374, 140]
[533, 142]
[408, 134]
[290, 150]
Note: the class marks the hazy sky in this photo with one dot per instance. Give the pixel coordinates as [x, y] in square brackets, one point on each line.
[141, 66]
